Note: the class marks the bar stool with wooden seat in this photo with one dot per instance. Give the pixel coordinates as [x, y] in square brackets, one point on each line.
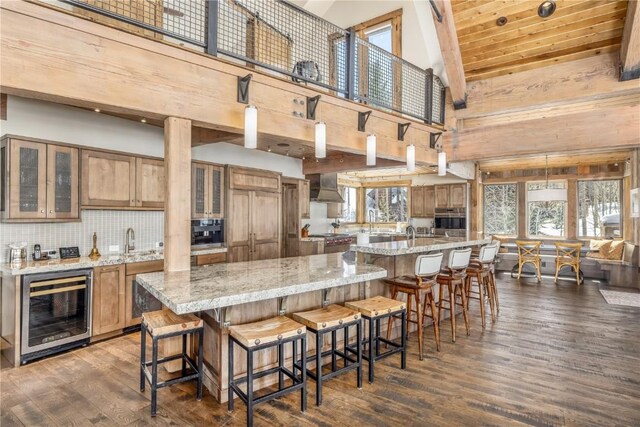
[374, 310]
[453, 279]
[427, 268]
[166, 324]
[529, 253]
[568, 255]
[262, 335]
[326, 320]
[480, 270]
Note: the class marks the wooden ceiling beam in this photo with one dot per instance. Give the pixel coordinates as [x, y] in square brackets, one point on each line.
[345, 162]
[446, 31]
[630, 48]
[203, 136]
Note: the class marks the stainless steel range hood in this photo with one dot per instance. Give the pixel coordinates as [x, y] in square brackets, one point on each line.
[324, 188]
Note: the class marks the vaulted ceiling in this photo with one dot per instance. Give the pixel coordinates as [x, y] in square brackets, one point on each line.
[577, 29]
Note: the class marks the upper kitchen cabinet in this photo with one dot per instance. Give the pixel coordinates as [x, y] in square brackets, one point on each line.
[423, 202]
[207, 191]
[442, 196]
[111, 180]
[451, 196]
[253, 179]
[39, 181]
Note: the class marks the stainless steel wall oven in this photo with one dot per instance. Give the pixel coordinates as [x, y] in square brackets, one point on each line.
[56, 312]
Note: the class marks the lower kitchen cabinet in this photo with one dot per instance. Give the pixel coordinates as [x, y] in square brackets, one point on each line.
[137, 299]
[108, 306]
[209, 259]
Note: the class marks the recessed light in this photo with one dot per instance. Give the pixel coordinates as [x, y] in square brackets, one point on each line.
[546, 8]
[143, 120]
[97, 110]
[501, 21]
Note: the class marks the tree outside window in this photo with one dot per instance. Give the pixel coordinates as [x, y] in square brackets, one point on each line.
[599, 207]
[546, 218]
[501, 209]
[349, 194]
[386, 204]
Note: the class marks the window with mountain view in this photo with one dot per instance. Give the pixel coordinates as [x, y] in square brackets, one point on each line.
[386, 204]
[599, 208]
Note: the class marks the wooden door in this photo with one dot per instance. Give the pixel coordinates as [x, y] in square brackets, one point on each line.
[108, 299]
[429, 201]
[215, 178]
[442, 196]
[458, 196]
[265, 225]
[149, 183]
[62, 182]
[291, 221]
[108, 180]
[304, 194]
[199, 191]
[418, 202]
[239, 237]
[27, 180]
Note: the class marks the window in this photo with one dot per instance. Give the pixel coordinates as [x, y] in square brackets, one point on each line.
[599, 208]
[546, 216]
[501, 209]
[350, 196]
[386, 204]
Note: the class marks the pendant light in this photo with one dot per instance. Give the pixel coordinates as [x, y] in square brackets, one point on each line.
[321, 140]
[371, 150]
[547, 194]
[442, 163]
[411, 158]
[250, 127]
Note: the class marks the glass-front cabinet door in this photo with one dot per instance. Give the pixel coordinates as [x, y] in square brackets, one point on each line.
[62, 182]
[27, 180]
[216, 194]
[199, 191]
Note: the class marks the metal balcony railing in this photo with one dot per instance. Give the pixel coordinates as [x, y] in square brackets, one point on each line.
[281, 37]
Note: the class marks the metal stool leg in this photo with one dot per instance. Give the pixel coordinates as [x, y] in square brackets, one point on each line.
[184, 353]
[303, 362]
[143, 355]
[281, 366]
[249, 387]
[200, 357]
[333, 350]
[230, 372]
[359, 350]
[371, 359]
[318, 368]
[346, 344]
[403, 341]
[154, 378]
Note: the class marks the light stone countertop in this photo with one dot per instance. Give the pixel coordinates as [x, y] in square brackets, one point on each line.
[57, 264]
[225, 285]
[420, 245]
[312, 239]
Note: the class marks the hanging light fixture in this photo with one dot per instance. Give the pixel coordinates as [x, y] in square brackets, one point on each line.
[411, 158]
[371, 150]
[547, 194]
[321, 140]
[442, 163]
[250, 127]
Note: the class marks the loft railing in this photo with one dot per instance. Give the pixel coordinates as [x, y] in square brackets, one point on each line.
[281, 37]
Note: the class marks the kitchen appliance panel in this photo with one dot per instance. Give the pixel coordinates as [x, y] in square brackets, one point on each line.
[207, 232]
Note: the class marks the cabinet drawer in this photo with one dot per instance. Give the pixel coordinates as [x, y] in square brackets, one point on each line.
[211, 259]
[144, 267]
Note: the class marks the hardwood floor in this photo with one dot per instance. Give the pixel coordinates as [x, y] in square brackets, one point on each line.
[557, 355]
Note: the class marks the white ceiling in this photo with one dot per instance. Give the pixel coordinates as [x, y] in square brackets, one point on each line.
[419, 40]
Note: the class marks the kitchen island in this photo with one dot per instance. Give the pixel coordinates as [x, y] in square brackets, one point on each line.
[244, 292]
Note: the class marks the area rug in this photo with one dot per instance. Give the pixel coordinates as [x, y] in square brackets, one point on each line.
[631, 299]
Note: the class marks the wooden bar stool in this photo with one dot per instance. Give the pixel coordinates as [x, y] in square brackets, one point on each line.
[374, 310]
[257, 336]
[331, 319]
[568, 255]
[166, 324]
[529, 253]
[453, 279]
[426, 271]
[480, 270]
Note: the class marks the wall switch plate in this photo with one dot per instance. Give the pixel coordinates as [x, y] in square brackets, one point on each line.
[114, 248]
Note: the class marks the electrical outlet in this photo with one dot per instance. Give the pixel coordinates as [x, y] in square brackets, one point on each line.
[114, 248]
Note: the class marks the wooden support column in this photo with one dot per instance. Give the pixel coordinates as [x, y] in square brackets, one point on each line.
[522, 210]
[177, 211]
[572, 209]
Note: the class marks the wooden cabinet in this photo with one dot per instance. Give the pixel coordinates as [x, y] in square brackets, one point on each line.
[451, 196]
[39, 181]
[108, 299]
[137, 299]
[423, 202]
[111, 180]
[209, 259]
[253, 216]
[304, 194]
[207, 191]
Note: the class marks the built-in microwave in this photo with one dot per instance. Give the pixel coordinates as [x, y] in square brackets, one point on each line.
[207, 232]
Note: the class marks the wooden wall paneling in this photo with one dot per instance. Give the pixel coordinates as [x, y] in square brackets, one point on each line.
[177, 215]
[630, 47]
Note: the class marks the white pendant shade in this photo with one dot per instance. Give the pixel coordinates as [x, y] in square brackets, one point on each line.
[250, 127]
[371, 150]
[411, 158]
[321, 140]
[547, 195]
[442, 163]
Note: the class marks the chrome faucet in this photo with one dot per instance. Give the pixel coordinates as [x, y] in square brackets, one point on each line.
[130, 240]
[411, 230]
[371, 218]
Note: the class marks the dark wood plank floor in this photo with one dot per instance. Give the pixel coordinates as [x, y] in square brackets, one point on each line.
[558, 355]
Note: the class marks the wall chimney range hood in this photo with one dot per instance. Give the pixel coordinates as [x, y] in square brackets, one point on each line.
[324, 188]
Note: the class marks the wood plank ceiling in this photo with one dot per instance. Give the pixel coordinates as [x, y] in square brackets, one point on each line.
[577, 29]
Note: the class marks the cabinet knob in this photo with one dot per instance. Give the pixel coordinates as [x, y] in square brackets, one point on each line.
[41, 210]
[50, 210]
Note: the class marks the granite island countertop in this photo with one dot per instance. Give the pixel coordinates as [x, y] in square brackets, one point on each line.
[420, 245]
[57, 264]
[225, 285]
